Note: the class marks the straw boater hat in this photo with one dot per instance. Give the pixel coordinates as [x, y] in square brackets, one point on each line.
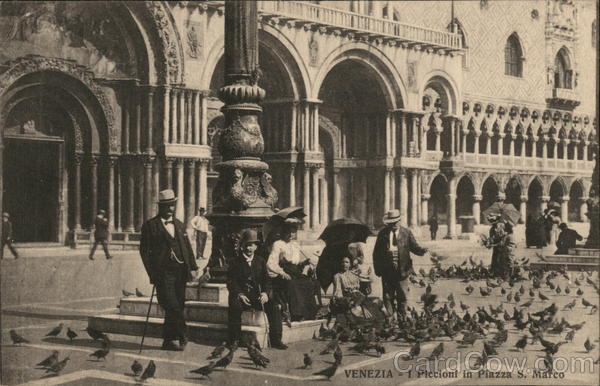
[167, 196]
[392, 216]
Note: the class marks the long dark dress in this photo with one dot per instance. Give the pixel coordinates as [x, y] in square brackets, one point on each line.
[350, 306]
[501, 257]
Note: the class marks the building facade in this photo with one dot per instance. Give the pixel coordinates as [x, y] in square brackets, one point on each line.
[435, 108]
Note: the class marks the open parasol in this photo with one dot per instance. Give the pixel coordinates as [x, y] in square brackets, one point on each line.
[345, 229]
[507, 212]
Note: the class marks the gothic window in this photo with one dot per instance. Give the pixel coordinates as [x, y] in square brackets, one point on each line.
[562, 70]
[594, 33]
[513, 57]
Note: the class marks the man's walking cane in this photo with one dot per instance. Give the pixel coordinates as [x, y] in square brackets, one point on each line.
[147, 317]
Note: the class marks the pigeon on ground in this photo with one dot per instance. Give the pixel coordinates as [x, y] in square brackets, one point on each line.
[337, 355]
[579, 291]
[329, 371]
[542, 296]
[226, 360]
[127, 293]
[585, 303]
[307, 360]
[437, 351]
[56, 330]
[589, 346]
[489, 349]
[205, 371]
[521, 343]
[139, 293]
[50, 361]
[94, 334]
[218, 351]
[149, 371]
[414, 350]
[136, 367]
[100, 354]
[16, 338]
[71, 334]
[58, 366]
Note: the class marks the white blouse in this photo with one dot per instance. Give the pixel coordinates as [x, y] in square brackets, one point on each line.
[282, 251]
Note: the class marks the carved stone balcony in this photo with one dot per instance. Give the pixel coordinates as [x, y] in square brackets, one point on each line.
[563, 98]
[339, 21]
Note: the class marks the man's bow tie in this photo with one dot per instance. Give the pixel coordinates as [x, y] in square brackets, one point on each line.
[169, 222]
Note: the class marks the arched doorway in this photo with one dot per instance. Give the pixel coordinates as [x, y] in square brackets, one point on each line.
[354, 101]
[534, 198]
[464, 197]
[438, 205]
[575, 201]
[489, 195]
[513, 193]
[556, 192]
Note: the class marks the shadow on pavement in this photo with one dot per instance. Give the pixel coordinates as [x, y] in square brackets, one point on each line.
[89, 343]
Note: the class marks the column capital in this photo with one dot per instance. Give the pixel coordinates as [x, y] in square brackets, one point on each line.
[78, 158]
[179, 162]
[545, 198]
[565, 198]
[93, 159]
[168, 161]
[202, 161]
[148, 160]
[111, 160]
[524, 198]
[425, 196]
[292, 166]
[477, 197]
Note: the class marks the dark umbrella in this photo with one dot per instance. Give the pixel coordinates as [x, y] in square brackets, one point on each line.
[507, 212]
[345, 229]
[337, 235]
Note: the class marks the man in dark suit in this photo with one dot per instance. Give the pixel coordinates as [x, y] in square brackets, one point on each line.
[101, 234]
[392, 262]
[248, 283]
[169, 262]
[7, 236]
[567, 239]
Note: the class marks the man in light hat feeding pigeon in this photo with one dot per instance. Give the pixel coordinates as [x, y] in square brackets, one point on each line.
[169, 261]
[392, 261]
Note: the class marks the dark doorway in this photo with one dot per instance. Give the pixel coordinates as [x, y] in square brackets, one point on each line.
[31, 179]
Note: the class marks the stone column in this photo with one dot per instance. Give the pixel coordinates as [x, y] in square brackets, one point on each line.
[511, 150]
[488, 144]
[166, 112]
[94, 190]
[77, 190]
[174, 137]
[294, 127]
[392, 189]
[544, 203]
[403, 130]
[337, 194]
[583, 209]
[155, 186]
[292, 184]
[425, 197]
[438, 141]
[403, 197]
[111, 162]
[544, 148]
[148, 204]
[575, 151]
[119, 202]
[324, 201]
[203, 184]
[565, 150]
[306, 191]
[189, 115]
[138, 120]
[415, 134]
[475, 144]
[463, 143]
[316, 126]
[393, 133]
[386, 189]
[168, 173]
[126, 120]
[523, 209]
[128, 226]
[179, 190]
[314, 210]
[415, 198]
[204, 119]
[477, 208]
[500, 144]
[534, 151]
[190, 198]
[182, 121]
[564, 209]
[197, 124]
[150, 120]
[451, 198]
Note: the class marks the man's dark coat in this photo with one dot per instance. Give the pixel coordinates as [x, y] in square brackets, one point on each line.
[241, 277]
[382, 261]
[155, 248]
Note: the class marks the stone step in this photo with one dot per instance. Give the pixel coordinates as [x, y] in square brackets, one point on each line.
[572, 259]
[546, 266]
[585, 252]
[208, 292]
[207, 333]
[210, 333]
[195, 311]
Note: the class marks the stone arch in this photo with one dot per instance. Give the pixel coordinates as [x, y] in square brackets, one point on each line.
[494, 178]
[80, 81]
[576, 196]
[279, 46]
[560, 181]
[490, 191]
[386, 72]
[443, 83]
[438, 189]
[465, 192]
[326, 125]
[536, 189]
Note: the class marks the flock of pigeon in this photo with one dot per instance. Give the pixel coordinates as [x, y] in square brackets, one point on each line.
[437, 319]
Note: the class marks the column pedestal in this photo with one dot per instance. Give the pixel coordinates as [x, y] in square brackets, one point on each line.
[451, 217]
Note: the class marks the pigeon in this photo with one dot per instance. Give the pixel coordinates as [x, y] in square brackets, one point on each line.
[331, 346]
[337, 355]
[469, 289]
[522, 290]
[509, 297]
[329, 371]
[542, 296]
[136, 367]
[149, 371]
[576, 327]
[463, 306]
[521, 343]
[257, 358]
[100, 354]
[205, 371]
[139, 294]
[378, 348]
[531, 293]
[549, 362]
[558, 290]
[489, 349]
[414, 350]
[218, 351]
[481, 360]
[527, 304]
[585, 303]
[589, 346]
[16, 338]
[500, 337]
[307, 360]
[579, 291]
[56, 330]
[50, 361]
[226, 360]
[517, 297]
[71, 334]
[437, 351]
[468, 339]
[570, 335]
[502, 291]
[94, 334]
[58, 366]
[570, 305]
[127, 293]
